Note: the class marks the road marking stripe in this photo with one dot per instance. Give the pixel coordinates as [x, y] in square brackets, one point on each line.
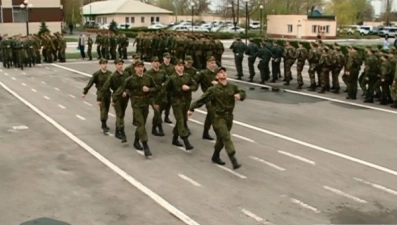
[23, 84]
[57, 89]
[6, 74]
[304, 205]
[72, 96]
[13, 78]
[290, 139]
[46, 97]
[87, 103]
[34, 90]
[62, 107]
[267, 163]
[231, 171]
[243, 138]
[159, 200]
[189, 180]
[80, 117]
[23, 73]
[196, 121]
[255, 217]
[171, 125]
[297, 157]
[341, 193]
[43, 82]
[112, 115]
[377, 186]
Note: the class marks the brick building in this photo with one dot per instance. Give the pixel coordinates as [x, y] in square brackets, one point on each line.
[13, 18]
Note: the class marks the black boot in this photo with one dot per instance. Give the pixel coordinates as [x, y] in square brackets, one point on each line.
[167, 119]
[233, 159]
[216, 159]
[207, 136]
[394, 105]
[137, 145]
[322, 91]
[146, 149]
[176, 142]
[161, 131]
[336, 91]
[122, 134]
[105, 127]
[188, 146]
[134, 123]
[154, 131]
[117, 134]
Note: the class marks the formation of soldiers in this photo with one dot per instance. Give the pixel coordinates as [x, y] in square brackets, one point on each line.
[325, 66]
[22, 51]
[179, 44]
[108, 45]
[167, 86]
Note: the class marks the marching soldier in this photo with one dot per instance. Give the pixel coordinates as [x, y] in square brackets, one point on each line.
[169, 69]
[90, 42]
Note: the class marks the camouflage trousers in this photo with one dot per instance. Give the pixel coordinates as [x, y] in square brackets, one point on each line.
[104, 107]
[335, 77]
[209, 117]
[223, 125]
[369, 80]
[351, 82]
[393, 90]
[299, 68]
[157, 114]
[287, 69]
[180, 113]
[383, 86]
[140, 116]
[325, 77]
[119, 107]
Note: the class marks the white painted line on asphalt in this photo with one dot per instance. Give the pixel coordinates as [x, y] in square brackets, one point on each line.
[46, 97]
[34, 90]
[171, 125]
[377, 186]
[87, 103]
[341, 193]
[140, 152]
[293, 140]
[196, 121]
[80, 117]
[6, 74]
[231, 171]
[23, 84]
[267, 163]
[212, 141]
[243, 138]
[255, 217]
[43, 82]
[304, 205]
[57, 89]
[194, 183]
[13, 78]
[62, 107]
[72, 96]
[112, 115]
[298, 157]
[23, 73]
[159, 200]
[184, 149]
[72, 70]
[1, 70]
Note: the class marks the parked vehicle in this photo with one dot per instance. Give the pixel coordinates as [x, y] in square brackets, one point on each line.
[387, 32]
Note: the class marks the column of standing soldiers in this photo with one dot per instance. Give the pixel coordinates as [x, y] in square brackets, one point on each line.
[26, 51]
[377, 79]
[167, 85]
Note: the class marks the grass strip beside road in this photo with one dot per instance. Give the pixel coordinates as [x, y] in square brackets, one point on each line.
[76, 55]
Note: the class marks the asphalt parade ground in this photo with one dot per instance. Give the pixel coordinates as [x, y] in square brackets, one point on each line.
[306, 158]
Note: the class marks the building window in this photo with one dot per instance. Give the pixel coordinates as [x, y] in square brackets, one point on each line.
[158, 19]
[19, 15]
[142, 19]
[127, 20]
[99, 20]
[104, 20]
[326, 29]
[289, 28]
[152, 19]
[314, 29]
[132, 19]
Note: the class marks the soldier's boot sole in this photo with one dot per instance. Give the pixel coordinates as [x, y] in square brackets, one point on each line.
[154, 131]
[146, 150]
[216, 159]
[206, 136]
[167, 120]
[137, 145]
[161, 131]
[188, 146]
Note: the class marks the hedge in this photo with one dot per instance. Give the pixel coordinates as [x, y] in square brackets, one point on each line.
[306, 44]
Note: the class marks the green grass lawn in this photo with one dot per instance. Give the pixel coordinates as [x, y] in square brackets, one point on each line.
[68, 39]
[76, 55]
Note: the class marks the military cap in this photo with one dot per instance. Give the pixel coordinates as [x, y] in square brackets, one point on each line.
[211, 58]
[188, 58]
[221, 68]
[336, 44]
[155, 59]
[251, 39]
[103, 61]
[135, 56]
[167, 55]
[392, 51]
[384, 51]
[238, 38]
[374, 51]
[117, 61]
[179, 61]
[385, 55]
[138, 63]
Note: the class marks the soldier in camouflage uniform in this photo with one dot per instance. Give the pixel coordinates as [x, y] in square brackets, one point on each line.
[169, 69]
[90, 42]
[352, 69]
[301, 56]
[394, 88]
[325, 63]
[265, 55]
[289, 56]
[98, 41]
[113, 46]
[238, 48]
[222, 97]
[252, 51]
[337, 68]
[105, 43]
[384, 76]
[99, 78]
[6, 44]
[18, 49]
[370, 76]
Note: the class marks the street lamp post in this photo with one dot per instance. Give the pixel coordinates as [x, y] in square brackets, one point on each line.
[192, 5]
[261, 7]
[26, 5]
[246, 20]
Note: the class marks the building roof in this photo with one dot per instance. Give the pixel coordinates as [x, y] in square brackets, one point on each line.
[122, 7]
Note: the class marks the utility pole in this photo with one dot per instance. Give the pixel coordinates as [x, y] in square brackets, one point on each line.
[389, 4]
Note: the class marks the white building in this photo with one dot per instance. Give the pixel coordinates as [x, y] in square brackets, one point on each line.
[134, 13]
